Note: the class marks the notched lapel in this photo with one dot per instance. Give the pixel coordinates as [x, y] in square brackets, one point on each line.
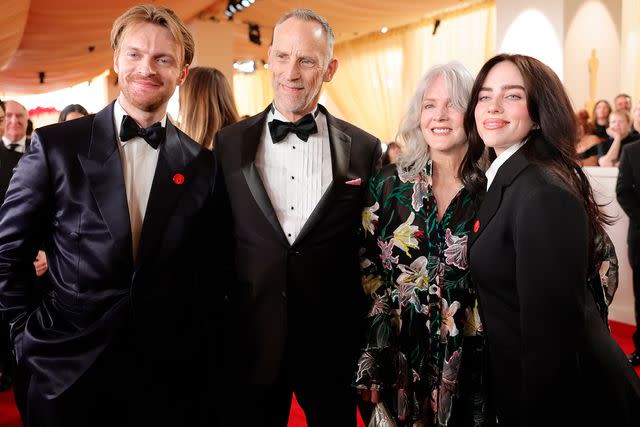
[505, 176]
[340, 144]
[103, 167]
[250, 141]
[172, 177]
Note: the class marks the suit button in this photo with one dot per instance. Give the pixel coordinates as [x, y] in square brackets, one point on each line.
[284, 294]
[294, 252]
[74, 235]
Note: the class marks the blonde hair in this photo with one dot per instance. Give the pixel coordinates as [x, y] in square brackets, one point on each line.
[155, 15]
[206, 105]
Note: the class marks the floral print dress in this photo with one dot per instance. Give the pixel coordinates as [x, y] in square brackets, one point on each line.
[423, 311]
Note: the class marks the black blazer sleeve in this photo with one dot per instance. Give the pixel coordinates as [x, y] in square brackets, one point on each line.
[551, 241]
[626, 188]
[22, 218]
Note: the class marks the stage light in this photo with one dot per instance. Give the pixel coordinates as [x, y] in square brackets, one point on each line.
[246, 67]
[235, 6]
[254, 34]
[384, 30]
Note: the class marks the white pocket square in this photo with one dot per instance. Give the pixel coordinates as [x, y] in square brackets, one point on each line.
[356, 182]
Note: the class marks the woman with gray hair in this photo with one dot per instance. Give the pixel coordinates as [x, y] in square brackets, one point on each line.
[414, 265]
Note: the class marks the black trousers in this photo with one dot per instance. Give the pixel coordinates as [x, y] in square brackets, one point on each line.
[123, 389]
[327, 401]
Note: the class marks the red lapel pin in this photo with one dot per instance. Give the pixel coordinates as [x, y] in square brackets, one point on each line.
[178, 179]
[476, 226]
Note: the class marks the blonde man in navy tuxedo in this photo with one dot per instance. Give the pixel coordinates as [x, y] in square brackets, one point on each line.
[123, 202]
[295, 177]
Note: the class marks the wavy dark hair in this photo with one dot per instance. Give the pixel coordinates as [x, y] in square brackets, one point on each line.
[552, 144]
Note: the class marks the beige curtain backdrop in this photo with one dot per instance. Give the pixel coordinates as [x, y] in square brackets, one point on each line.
[630, 46]
[377, 74]
[252, 92]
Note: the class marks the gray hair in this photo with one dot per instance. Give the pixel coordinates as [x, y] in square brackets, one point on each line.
[415, 153]
[309, 15]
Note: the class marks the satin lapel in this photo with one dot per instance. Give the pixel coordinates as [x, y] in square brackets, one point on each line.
[103, 167]
[174, 158]
[250, 142]
[340, 144]
[505, 176]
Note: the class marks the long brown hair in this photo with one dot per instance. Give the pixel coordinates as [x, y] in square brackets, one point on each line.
[551, 144]
[206, 104]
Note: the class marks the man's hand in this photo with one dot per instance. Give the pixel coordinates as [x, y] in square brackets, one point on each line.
[40, 263]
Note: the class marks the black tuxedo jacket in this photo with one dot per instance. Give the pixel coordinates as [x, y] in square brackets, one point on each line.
[305, 298]
[552, 359]
[68, 192]
[8, 162]
[628, 194]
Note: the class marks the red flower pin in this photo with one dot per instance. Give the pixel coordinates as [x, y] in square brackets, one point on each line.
[178, 179]
[476, 226]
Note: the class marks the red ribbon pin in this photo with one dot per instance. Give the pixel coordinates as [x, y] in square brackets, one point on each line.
[178, 179]
[476, 226]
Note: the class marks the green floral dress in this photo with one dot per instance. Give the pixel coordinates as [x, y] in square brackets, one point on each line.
[423, 313]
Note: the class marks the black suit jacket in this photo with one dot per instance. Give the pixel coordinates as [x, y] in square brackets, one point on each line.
[551, 355]
[305, 297]
[68, 192]
[628, 194]
[8, 162]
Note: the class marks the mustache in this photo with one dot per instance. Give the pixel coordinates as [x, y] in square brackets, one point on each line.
[151, 79]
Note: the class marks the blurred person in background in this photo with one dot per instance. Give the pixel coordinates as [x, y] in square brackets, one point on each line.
[586, 141]
[391, 155]
[622, 102]
[206, 105]
[620, 134]
[600, 119]
[72, 111]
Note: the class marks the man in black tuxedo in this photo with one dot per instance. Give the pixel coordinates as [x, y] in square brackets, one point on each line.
[628, 192]
[123, 202]
[295, 177]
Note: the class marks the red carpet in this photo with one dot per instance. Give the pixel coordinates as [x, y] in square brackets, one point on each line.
[9, 415]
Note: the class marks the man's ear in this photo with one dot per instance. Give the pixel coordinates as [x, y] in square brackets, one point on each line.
[115, 61]
[331, 70]
[183, 74]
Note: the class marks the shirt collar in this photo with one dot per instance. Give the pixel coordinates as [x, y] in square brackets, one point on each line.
[22, 141]
[499, 161]
[119, 113]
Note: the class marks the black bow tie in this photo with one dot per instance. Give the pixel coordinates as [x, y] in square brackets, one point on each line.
[154, 134]
[303, 128]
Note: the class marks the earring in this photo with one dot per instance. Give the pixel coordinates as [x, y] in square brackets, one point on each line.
[535, 126]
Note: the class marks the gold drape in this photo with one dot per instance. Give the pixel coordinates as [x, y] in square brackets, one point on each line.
[378, 73]
[252, 92]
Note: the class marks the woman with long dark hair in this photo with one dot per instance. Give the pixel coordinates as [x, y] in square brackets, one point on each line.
[536, 243]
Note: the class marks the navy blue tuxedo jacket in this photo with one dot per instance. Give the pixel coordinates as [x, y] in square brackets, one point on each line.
[68, 193]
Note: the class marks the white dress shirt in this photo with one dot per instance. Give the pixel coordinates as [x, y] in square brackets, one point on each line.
[499, 161]
[139, 162]
[22, 143]
[295, 173]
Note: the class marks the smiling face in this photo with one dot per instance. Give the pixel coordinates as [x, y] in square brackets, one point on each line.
[16, 117]
[298, 66]
[441, 124]
[148, 67]
[501, 113]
